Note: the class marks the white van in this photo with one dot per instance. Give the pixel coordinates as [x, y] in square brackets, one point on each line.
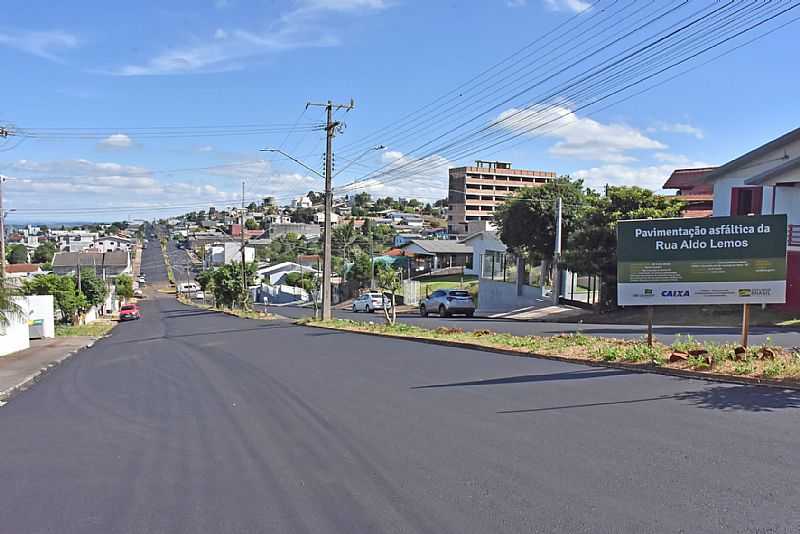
[188, 287]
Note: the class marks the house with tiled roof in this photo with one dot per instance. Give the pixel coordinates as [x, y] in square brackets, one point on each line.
[693, 190]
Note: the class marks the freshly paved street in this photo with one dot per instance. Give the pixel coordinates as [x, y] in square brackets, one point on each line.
[190, 421]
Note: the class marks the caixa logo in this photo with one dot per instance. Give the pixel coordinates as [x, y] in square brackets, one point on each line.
[672, 293]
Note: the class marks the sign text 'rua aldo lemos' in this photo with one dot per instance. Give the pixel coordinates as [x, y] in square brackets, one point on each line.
[716, 260]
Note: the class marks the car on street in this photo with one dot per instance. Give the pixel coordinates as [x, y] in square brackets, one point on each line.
[129, 312]
[371, 301]
[447, 302]
[138, 293]
[199, 295]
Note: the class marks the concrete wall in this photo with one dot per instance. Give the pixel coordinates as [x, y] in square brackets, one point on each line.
[502, 296]
[42, 307]
[14, 336]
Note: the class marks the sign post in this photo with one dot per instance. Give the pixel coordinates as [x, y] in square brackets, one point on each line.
[714, 260]
[745, 324]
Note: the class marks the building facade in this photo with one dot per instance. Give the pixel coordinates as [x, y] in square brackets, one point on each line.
[765, 181]
[474, 192]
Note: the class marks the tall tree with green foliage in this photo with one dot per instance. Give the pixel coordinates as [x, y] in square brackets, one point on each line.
[124, 286]
[65, 294]
[251, 224]
[92, 287]
[227, 284]
[592, 248]
[526, 221]
[17, 254]
[361, 269]
[44, 252]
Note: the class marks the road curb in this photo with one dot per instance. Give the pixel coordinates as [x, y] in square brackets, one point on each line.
[31, 379]
[636, 368]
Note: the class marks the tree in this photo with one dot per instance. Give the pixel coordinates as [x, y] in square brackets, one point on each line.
[361, 200]
[592, 248]
[65, 294]
[44, 252]
[389, 281]
[227, 284]
[252, 207]
[303, 215]
[124, 285]
[526, 222]
[8, 308]
[361, 269]
[251, 224]
[206, 280]
[17, 254]
[92, 287]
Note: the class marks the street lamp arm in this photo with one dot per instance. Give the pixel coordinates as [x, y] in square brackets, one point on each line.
[279, 151]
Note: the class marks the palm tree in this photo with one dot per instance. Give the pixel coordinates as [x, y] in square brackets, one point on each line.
[8, 308]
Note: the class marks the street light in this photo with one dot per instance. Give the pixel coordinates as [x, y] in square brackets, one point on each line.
[279, 151]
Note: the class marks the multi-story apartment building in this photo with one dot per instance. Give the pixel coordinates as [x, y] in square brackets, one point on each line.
[475, 191]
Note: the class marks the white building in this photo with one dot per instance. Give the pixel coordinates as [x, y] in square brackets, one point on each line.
[217, 254]
[485, 245]
[302, 202]
[111, 243]
[765, 181]
[274, 274]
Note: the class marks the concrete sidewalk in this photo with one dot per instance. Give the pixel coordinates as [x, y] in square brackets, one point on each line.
[20, 369]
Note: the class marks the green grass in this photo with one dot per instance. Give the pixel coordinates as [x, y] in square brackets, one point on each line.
[95, 329]
[717, 358]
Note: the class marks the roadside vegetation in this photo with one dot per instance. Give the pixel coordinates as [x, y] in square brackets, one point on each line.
[167, 264]
[95, 329]
[686, 354]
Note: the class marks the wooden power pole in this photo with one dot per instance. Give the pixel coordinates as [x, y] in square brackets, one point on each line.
[330, 128]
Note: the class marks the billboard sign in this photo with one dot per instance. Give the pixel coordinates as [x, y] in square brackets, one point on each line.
[714, 260]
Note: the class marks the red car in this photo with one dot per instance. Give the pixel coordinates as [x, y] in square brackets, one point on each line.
[129, 312]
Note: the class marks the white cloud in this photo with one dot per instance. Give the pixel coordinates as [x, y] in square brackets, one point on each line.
[517, 3]
[67, 184]
[44, 44]
[579, 137]
[568, 5]
[677, 128]
[649, 176]
[116, 141]
[205, 148]
[231, 48]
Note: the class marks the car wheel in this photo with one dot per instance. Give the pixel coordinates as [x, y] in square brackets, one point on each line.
[470, 314]
[355, 310]
[442, 311]
[422, 311]
[370, 310]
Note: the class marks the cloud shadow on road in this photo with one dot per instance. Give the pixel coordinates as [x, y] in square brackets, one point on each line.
[522, 379]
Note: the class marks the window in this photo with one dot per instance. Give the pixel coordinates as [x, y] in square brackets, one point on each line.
[746, 200]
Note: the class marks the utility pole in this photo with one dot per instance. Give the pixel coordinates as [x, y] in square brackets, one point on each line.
[557, 255]
[330, 128]
[2, 231]
[244, 265]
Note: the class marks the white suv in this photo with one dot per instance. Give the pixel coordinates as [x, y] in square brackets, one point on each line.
[371, 301]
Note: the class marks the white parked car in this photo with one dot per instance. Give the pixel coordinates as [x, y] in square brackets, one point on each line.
[371, 301]
[199, 295]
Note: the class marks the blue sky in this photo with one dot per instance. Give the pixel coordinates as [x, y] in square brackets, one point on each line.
[215, 63]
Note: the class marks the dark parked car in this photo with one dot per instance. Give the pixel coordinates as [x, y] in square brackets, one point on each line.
[448, 302]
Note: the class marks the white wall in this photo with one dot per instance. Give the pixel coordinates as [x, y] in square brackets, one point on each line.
[42, 307]
[479, 247]
[722, 187]
[14, 336]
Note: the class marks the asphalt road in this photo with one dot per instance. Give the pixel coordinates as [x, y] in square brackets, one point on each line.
[179, 259]
[786, 337]
[193, 422]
